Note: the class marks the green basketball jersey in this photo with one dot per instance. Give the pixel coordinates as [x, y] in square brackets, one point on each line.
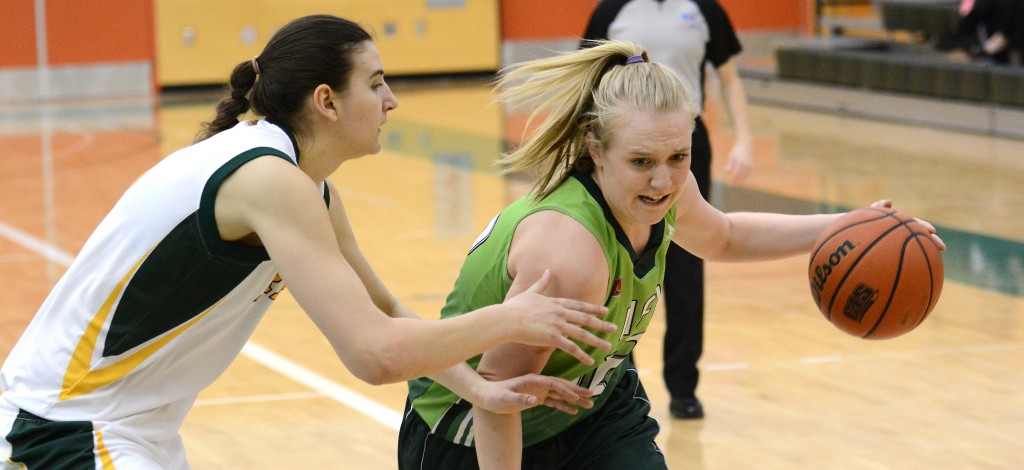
[634, 287]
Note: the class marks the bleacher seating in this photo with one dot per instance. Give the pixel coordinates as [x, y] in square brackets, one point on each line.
[931, 18]
[903, 67]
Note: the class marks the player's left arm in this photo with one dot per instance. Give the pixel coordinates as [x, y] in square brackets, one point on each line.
[545, 240]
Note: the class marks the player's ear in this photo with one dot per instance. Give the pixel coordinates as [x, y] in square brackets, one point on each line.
[594, 148]
[325, 103]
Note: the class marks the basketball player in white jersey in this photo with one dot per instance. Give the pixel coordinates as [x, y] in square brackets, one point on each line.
[169, 287]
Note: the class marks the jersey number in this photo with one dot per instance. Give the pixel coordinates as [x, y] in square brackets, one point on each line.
[597, 381]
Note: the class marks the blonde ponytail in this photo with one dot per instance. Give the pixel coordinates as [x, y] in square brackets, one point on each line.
[580, 92]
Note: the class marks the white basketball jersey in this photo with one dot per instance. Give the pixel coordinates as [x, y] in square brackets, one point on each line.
[156, 305]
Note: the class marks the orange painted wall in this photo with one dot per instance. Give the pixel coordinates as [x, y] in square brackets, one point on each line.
[544, 19]
[763, 15]
[538, 19]
[98, 31]
[17, 34]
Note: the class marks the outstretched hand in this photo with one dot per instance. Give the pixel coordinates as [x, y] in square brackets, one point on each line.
[887, 204]
[740, 162]
[525, 392]
[555, 322]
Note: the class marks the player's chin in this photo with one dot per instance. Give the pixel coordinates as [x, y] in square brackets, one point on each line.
[651, 217]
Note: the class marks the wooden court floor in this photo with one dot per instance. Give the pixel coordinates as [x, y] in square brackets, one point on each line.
[782, 388]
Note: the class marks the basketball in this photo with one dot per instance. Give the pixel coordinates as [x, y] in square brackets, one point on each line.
[875, 273]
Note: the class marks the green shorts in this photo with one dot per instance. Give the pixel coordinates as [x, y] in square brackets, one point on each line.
[619, 435]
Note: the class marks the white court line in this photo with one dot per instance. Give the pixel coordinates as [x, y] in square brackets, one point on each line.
[257, 398]
[264, 356]
[36, 245]
[334, 390]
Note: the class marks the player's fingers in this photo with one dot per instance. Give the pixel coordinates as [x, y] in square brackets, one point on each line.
[580, 402]
[561, 389]
[574, 350]
[584, 307]
[560, 406]
[927, 226]
[584, 403]
[541, 284]
[586, 337]
[588, 321]
[882, 204]
[930, 229]
[579, 327]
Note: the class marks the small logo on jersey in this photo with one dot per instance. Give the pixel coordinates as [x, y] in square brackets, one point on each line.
[617, 287]
[272, 290]
[689, 20]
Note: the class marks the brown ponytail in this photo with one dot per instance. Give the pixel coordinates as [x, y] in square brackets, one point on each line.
[243, 78]
[302, 55]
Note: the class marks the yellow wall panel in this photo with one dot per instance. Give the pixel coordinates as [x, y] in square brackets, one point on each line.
[199, 42]
[440, 40]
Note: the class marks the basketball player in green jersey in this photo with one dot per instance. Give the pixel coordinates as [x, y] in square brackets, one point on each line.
[614, 190]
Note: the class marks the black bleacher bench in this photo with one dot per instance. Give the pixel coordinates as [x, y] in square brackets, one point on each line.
[1008, 85]
[900, 68]
[931, 18]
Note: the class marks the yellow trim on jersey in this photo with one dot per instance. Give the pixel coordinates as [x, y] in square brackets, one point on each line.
[93, 379]
[81, 360]
[80, 378]
[105, 458]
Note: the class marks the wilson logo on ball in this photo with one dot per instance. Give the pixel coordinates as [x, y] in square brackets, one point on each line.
[824, 270]
[862, 298]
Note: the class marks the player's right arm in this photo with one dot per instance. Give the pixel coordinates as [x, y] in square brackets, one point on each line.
[281, 205]
[714, 235]
[750, 236]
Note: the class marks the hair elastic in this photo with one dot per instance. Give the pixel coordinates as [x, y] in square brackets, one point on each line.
[255, 66]
[635, 59]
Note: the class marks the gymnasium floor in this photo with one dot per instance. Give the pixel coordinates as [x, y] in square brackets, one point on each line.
[782, 388]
